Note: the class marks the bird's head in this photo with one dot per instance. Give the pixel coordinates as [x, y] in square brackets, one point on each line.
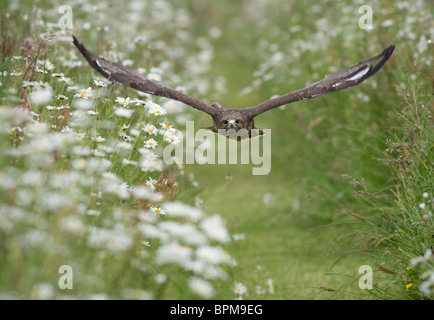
[232, 119]
[231, 124]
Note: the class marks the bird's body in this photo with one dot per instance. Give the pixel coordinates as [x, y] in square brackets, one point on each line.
[225, 119]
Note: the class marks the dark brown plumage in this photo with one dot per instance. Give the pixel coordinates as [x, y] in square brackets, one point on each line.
[237, 119]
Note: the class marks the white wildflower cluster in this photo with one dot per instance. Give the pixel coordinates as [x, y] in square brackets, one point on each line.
[427, 206]
[241, 291]
[190, 243]
[427, 286]
[42, 93]
[427, 275]
[426, 262]
[80, 169]
[63, 181]
[280, 62]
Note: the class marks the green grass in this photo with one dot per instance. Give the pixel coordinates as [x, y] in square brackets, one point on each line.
[282, 243]
[331, 203]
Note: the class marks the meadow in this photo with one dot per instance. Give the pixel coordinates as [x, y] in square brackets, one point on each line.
[89, 209]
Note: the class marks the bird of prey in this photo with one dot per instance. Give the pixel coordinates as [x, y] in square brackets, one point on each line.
[236, 119]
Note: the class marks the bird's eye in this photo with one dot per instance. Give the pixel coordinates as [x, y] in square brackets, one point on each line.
[225, 121]
[237, 121]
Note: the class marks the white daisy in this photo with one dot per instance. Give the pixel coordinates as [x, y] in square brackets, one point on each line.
[150, 156]
[157, 211]
[101, 83]
[154, 76]
[64, 79]
[61, 97]
[151, 143]
[138, 102]
[84, 93]
[123, 101]
[16, 73]
[171, 137]
[150, 183]
[156, 109]
[240, 288]
[37, 69]
[151, 129]
[165, 126]
[15, 130]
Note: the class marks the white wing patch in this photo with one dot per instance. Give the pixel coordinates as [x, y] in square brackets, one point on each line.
[359, 75]
[99, 65]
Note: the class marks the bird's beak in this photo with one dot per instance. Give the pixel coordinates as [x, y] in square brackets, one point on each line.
[232, 123]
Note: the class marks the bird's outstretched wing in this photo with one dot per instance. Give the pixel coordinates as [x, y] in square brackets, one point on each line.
[131, 78]
[341, 80]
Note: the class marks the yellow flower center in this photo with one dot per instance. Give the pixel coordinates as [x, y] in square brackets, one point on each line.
[157, 111]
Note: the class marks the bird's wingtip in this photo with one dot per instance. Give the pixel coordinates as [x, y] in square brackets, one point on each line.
[389, 49]
[76, 43]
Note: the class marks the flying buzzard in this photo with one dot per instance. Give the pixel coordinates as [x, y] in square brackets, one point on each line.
[237, 119]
